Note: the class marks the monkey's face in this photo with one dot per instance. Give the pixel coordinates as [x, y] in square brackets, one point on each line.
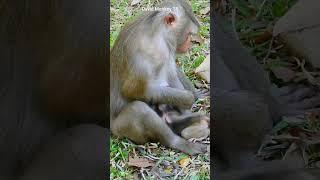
[186, 45]
[183, 24]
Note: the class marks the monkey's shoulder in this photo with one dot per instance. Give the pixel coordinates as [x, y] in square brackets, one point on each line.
[156, 48]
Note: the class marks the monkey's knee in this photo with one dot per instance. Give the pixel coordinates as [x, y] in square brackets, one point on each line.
[133, 122]
[140, 107]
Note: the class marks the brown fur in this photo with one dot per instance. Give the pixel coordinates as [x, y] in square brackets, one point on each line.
[143, 71]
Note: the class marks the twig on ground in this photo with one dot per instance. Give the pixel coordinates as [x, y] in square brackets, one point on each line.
[269, 51]
[234, 13]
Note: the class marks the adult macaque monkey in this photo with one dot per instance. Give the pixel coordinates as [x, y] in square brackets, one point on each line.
[143, 71]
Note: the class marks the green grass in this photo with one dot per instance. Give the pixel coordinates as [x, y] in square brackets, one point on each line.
[166, 159]
[119, 153]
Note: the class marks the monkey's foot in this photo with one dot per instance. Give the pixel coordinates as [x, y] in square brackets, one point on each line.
[296, 100]
[191, 147]
[197, 130]
[202, 93]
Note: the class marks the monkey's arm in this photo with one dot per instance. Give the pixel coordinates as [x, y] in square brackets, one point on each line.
[185, 81]
[187, 84]
[173, 96]
[178, 79]
[139, 85]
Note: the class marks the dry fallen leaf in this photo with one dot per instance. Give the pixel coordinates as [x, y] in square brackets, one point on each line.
[265, 36]
[168, 170]
[205, 11]
[135, 2]
[184, 162]
[283, 73]
[140, 162]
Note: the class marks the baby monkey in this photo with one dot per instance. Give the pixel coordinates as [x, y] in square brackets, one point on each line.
[186, 124]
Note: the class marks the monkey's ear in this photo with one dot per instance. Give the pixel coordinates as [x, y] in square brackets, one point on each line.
[170, 19]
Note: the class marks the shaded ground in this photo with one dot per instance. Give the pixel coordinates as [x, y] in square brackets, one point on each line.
[253, 22]
[153, 161]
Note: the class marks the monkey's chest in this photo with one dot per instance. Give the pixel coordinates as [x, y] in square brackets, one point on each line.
[161, 77]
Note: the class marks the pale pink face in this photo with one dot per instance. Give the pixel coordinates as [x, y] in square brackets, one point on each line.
[185, 46]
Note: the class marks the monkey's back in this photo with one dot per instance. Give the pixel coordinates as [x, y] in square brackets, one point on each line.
[137, 37]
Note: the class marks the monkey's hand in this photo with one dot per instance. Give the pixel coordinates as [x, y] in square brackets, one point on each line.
[172, 96]
[201, 93]
[154, 93]
[296, 100]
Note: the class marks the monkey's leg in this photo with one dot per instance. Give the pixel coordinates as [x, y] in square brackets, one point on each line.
[292, 92]
[185, 124]
[242, 119]
[140, 123]
[78, 153]
[185, 118]
[179, 123]
[199, 129]
[296, 100]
